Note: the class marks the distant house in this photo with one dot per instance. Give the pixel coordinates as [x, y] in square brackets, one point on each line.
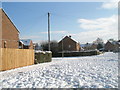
[94, 46]
[37, 46]
[68, 44]
[9, 34]
[112, 45]
[97, 44]
[89, 46]
[118, 45]
[86, 46]
[26, 44]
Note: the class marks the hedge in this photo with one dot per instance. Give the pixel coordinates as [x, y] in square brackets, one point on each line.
[41, 57]
[71, 54]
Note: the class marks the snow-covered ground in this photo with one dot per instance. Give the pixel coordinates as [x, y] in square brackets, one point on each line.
[99, 71]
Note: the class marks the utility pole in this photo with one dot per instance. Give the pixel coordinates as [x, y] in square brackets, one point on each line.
[48, 31]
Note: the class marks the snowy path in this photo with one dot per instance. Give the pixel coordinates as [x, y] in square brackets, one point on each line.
[72, 72]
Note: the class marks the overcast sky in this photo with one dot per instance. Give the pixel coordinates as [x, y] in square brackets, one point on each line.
[84, 21]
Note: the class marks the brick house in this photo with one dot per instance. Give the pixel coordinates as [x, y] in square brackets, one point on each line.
[9, 33]
[86, 46]
[68, 44]
[89, 46]
[112, 46]
[26, 44]
[94, 46]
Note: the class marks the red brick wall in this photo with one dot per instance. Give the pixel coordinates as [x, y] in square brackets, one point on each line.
[0, 28]
[26, 47]
[10, 35]
[68, 45]
[31, 45]
[78, 47]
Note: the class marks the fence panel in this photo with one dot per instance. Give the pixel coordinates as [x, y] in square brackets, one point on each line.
[14, 58]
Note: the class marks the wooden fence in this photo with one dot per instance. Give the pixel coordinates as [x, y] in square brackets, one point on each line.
[14, 58]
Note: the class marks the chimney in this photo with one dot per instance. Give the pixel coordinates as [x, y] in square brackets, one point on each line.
[69, 36]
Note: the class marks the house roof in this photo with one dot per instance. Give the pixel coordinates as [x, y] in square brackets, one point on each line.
[25, 42]
[82, 45]
[9, 19]
[88, 45]
[69, 38]
[113, 42]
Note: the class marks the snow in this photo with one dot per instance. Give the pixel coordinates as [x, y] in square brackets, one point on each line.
[39, 51]
[26, 42]
[99, 71]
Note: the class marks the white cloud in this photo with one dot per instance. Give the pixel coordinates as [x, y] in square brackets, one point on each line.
[105, 28]
[99, 24]
[55, 32]
[110, 5]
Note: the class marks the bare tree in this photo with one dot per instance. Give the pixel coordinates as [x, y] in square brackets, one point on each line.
[53, 46]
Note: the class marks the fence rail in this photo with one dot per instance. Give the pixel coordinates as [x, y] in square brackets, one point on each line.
[14, 58]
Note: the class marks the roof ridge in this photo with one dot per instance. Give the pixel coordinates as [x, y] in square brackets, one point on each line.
[69, 38]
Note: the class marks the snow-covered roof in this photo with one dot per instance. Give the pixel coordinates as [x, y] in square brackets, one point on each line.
[25, 42]
[113, 42]
[82, 45]
[88, 45]
[69, 38]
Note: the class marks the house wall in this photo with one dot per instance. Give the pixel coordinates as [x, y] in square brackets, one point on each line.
[31, 45]
[10, 34]
[117, 49]
[21, 46]
[93, 47]
[68, 45]
[87, 48]
[90, 47]
[109, 47]
[78, 47]
[0, 28]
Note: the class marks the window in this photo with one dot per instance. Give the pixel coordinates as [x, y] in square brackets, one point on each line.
[5, 44]
[69, 46]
